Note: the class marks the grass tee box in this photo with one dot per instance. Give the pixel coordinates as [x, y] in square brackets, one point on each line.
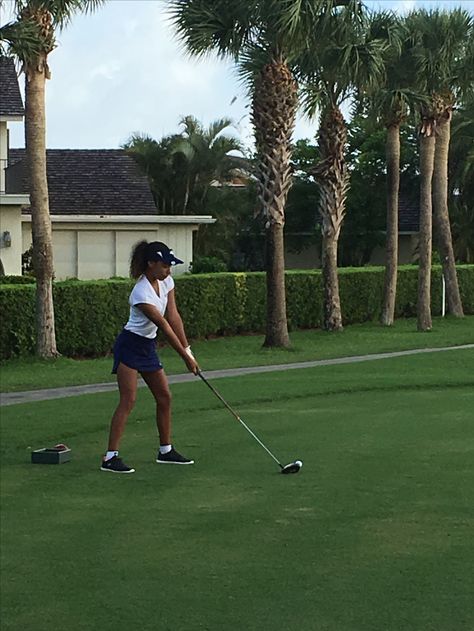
[375, 534]
[51, 455]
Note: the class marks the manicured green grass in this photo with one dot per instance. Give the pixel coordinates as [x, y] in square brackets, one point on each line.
[231, 352]
[374, 533]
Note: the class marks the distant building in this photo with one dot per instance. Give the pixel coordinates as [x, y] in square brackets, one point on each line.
[100, 204]
[11, 109]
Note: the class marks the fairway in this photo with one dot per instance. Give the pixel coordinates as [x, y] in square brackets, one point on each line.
[374, 533]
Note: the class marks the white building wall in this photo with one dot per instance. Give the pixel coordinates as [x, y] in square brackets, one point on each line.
[89, 250]
[10, 255]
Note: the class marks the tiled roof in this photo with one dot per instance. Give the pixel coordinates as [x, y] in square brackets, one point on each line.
[11, 103]
[87, 182]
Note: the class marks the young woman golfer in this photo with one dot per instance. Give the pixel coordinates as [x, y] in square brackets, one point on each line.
[151, 300]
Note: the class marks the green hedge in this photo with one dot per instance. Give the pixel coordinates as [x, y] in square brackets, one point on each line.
[89, 314]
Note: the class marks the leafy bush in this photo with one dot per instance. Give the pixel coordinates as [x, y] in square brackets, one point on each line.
[17, 280]
[89, 314]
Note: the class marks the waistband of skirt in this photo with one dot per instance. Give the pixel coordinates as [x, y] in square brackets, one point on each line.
[139, 338]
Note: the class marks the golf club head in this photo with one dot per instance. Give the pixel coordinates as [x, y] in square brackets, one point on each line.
[292, 467]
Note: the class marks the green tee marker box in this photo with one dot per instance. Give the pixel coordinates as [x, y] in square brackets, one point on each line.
[51, 455]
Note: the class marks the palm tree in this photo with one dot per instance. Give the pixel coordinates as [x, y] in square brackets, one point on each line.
[165, 169]
[429, 113]
[339, 59]
[456, 71]
[180, 168]
[390, 102]
[31, 38]
[439, 48]
[207, 154]
[262, 36]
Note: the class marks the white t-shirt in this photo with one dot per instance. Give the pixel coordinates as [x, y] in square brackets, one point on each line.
[143, 292]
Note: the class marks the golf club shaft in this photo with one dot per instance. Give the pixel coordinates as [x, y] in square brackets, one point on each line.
[238, 418]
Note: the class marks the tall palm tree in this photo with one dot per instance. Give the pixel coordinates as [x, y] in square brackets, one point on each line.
[439, 44]
[454, 34]
[339, 59]
[390, 101]
[263, 35]
[31, 38]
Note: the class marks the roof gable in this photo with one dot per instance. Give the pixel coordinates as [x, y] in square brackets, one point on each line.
[11, 103]
[87, 182]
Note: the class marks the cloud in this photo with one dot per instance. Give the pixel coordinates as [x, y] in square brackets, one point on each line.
[404, 6]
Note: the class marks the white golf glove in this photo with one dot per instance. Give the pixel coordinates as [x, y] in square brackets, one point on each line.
[189, 351]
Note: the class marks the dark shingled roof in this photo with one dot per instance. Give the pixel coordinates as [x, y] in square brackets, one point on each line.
[11, 103]
[87, 182]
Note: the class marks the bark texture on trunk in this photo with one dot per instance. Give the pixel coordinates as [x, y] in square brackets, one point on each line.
[441, 216]
[332, 303]
[391, 260]
[35, 137]
[427, 151]
[274, 107]
[333, 178]
[277, 328]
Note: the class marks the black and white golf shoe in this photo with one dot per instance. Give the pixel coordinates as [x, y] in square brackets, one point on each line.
[116, 465]
[172, 457]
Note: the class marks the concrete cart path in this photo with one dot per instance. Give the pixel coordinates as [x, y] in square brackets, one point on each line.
[11, 398]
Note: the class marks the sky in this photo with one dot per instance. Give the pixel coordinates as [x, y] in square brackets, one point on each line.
[120, 71]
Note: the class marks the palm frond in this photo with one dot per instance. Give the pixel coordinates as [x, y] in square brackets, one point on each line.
[222, 26]
[22, 39]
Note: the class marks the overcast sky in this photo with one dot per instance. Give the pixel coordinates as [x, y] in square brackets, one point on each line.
[120, 70]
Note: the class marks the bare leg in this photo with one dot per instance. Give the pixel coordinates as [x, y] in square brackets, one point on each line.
[127, 383]
[158, 384]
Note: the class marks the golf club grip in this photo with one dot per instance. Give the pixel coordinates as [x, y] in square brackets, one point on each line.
[218, 395]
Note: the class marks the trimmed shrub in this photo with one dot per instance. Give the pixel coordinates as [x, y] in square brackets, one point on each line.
[17, 280]
[89, 314]
[17, 331]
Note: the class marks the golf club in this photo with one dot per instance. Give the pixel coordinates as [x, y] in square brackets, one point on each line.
[292, 467]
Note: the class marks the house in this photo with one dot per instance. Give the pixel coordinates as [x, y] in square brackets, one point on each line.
[11, 109]
[100, 205]
[408, 238]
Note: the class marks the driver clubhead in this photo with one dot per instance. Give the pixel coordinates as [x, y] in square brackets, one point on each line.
[292, 467]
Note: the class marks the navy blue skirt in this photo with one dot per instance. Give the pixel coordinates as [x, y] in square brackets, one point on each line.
[136, 351]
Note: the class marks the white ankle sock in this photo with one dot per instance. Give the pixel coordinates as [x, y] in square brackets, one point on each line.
[110, 454]
[165, 449]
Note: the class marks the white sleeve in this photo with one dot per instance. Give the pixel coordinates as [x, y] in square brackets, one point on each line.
[169, 283]
[141, 294]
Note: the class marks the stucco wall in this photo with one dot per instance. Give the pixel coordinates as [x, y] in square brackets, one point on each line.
[93, 251]
[407, 244]
[10, 221]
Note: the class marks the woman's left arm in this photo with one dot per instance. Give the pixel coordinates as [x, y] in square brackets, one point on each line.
[175, 321]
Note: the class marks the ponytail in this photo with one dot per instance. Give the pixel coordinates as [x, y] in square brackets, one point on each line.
[138, 259]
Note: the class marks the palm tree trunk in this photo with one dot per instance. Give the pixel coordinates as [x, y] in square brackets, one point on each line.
[35, 138]
[333, 178]
[441, 216]
[277, 329]
[391, 262]
[427, 151]
[275, 100]
[332, 303]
